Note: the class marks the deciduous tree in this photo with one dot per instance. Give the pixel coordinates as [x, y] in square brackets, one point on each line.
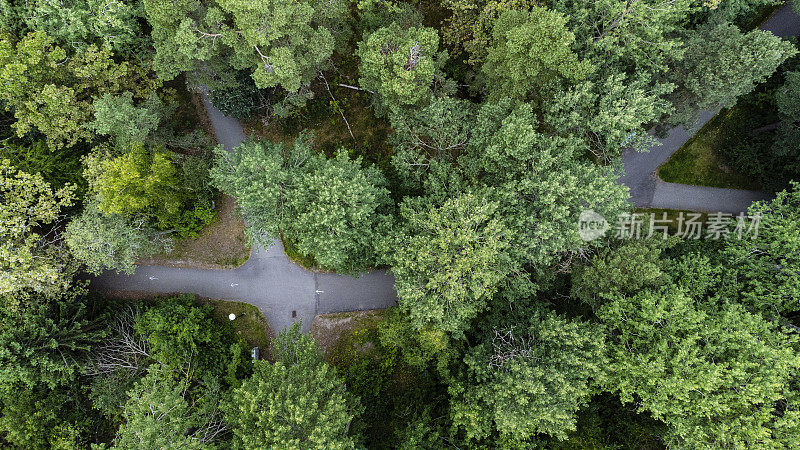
[111, 241]
[297, 402]
[718, 376]
[529, 52]
[399, 65]
[30, 258]
[448, 260]
[161, 413]
[529, 379]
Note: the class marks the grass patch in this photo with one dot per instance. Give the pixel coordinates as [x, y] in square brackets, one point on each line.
[300, 258]
[249, 324]
[698, 161]
[222, 244]
[672, 217]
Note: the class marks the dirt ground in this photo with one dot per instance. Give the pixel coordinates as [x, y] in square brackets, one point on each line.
[328, 329]
[221, 245]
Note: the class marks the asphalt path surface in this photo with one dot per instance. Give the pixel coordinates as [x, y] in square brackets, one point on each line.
[286, 293]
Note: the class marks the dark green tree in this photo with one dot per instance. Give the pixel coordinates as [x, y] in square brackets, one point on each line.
[530, 379]
[718, 376]
[296, 402]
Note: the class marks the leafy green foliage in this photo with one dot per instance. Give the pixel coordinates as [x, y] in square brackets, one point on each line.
[58, 167]
[448, 260]
[434, 134]
[45, 339]
[116, 116]
[281, 43]
[239, 98]
[469, 28]
[624, 269]
[542, 184]
[40, 418]
[530, 51]
[726, 64]
[399, 65]
[783, 152]
[51, 90]
[79, 23]
[529, 380]
[337, 210]
[297, 402]
[764, 271]
[29, 259]
[329, 208]
[718, 376]
[158, 414]
[110, 241]
[141, 181]
[184, 336]
[611, 114]
[398, 399]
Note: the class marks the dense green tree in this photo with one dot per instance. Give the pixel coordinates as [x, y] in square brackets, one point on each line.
[41, 418]
[58, 167]
[239, 97]
[634, 36]
[542, 183]
[330, 209]
[530, 379]
[51, 90]
[259, 174]
[400, 65]
[419, 347]
[112, 242]
[530, 52]
[764, 270]
[724, 64]
[738, 9]
[160, 413]
[118, 117]
[296, 402]
[784, 157]
[142, 181]
[434, 134]
[448, 260]
[610, 114]
[469, 27]
[281, 43]
[185, 337]
[29, 255]
[718, 376]
[336, 212]
[47, 340]
[624, 269]
[80, 23]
